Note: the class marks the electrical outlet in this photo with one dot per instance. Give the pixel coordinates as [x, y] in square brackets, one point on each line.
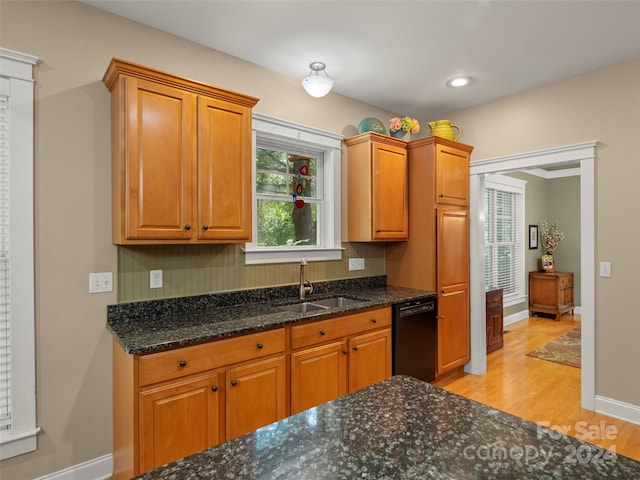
[101, 282]
[155, 279]
[356, 264]
[605, 269]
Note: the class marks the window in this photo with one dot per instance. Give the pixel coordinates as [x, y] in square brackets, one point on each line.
[504, 236]
[296, 211]
[17, 355]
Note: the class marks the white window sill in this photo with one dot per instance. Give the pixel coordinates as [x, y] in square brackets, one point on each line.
[514, 300]
[280, 255]
[14, 444]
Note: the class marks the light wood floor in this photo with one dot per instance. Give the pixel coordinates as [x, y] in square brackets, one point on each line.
[542, 391]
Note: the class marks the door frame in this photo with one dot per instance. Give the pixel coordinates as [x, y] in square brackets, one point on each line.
[584, 154]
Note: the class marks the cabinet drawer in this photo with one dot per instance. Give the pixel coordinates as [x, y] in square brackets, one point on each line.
[566, 280]
[494, 299]
[157, 367]
[327, 330]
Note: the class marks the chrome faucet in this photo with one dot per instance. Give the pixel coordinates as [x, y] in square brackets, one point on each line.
[306, 287]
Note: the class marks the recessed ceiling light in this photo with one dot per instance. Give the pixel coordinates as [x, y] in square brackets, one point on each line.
[459, 82]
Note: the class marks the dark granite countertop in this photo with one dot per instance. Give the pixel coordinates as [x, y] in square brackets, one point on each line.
[401, 428]
[146, 327]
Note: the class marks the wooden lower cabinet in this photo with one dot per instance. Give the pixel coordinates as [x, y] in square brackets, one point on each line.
[256, 395]
[550, 293]
[174, 403]
[454, 348]
[332, 357]
[495, 319]
[180, 418]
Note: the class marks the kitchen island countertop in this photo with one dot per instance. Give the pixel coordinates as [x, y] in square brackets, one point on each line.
[401, 428]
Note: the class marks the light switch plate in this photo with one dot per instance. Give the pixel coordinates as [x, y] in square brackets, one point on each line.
[356, 264]
[605, 269]
[101, 282]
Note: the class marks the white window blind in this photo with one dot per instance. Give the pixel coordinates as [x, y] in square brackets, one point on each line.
[504, 236]
[5, 298]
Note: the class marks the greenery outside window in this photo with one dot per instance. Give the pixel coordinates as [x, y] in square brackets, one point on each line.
[504, 236]
[296, 211]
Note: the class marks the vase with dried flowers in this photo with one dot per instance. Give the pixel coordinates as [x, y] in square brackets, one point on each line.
[399, 127]
[551, 237]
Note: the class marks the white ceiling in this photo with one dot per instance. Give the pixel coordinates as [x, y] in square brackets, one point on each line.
[397, 55]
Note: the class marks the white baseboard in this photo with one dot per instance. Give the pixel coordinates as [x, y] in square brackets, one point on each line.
[524, 314]
[617, 409]
[100, 468]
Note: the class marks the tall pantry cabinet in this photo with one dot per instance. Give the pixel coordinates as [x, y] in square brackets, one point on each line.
[436, 256]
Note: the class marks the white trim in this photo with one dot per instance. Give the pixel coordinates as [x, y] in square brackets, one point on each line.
[584, 153]
[617, 409]
[330, 144]
[21, 437]
[99, 468]
[551, 174]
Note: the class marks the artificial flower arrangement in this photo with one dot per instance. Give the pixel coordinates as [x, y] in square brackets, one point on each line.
[406, 124]
[550, 236]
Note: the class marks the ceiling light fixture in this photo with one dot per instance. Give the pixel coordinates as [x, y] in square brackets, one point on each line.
[459, 82]
[315, 84]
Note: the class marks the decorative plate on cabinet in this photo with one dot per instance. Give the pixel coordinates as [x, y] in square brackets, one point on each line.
[371, 124]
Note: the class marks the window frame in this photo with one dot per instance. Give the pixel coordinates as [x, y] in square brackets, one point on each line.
[288, 135]
[513, 185]
[17, 72]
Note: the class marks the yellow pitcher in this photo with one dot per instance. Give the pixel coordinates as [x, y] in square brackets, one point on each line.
[444, 129]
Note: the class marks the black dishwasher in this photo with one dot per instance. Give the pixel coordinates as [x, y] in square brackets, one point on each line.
[415, 338]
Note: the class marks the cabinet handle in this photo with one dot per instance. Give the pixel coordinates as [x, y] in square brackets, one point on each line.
[322, 332]
[442, 292]
[214, 388]
[183, 363]
[234, 383]
[441, 316]
[259, 346]
[373, 320]
[355, 348]
[205, 227]
[344, 352]
[187, 227]
[441, 195]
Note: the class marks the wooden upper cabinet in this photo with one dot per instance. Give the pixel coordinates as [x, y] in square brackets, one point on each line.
[452, 174]
[181, 158]
[377, 189]
[224, 170]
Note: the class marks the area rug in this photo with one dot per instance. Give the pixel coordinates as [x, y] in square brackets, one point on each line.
[565, 349]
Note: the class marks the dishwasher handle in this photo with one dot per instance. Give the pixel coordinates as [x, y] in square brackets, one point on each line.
[415, 309]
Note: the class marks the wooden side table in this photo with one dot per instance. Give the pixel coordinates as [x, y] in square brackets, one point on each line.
[550, 293]
[495, 319]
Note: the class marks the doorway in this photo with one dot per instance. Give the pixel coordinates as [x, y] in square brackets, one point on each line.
[584, 155]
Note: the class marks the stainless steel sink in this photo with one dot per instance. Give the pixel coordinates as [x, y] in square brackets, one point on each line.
[337, 302]
[325, 304]
[302, 307]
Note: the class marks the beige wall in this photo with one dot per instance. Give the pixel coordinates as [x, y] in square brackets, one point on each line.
[75, 44]
[602, 105]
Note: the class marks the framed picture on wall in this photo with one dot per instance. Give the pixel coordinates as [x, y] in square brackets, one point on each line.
[533, 237]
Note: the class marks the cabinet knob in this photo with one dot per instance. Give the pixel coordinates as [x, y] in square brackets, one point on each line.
[373, 320]
[214, 388]
[205, 227]
[234, 383]
[322, 332]
[187, 227]
[183, 363]
[259, 346]
[344, 352]
[441, 195]
[355, 348]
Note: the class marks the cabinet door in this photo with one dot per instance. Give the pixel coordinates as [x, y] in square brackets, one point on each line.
[179, 419]
[256, 395]
[160, 165]
[390, 194]
[453, 287]
[452, 176]
[369, 359]
[224, 171]
[318, 374]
